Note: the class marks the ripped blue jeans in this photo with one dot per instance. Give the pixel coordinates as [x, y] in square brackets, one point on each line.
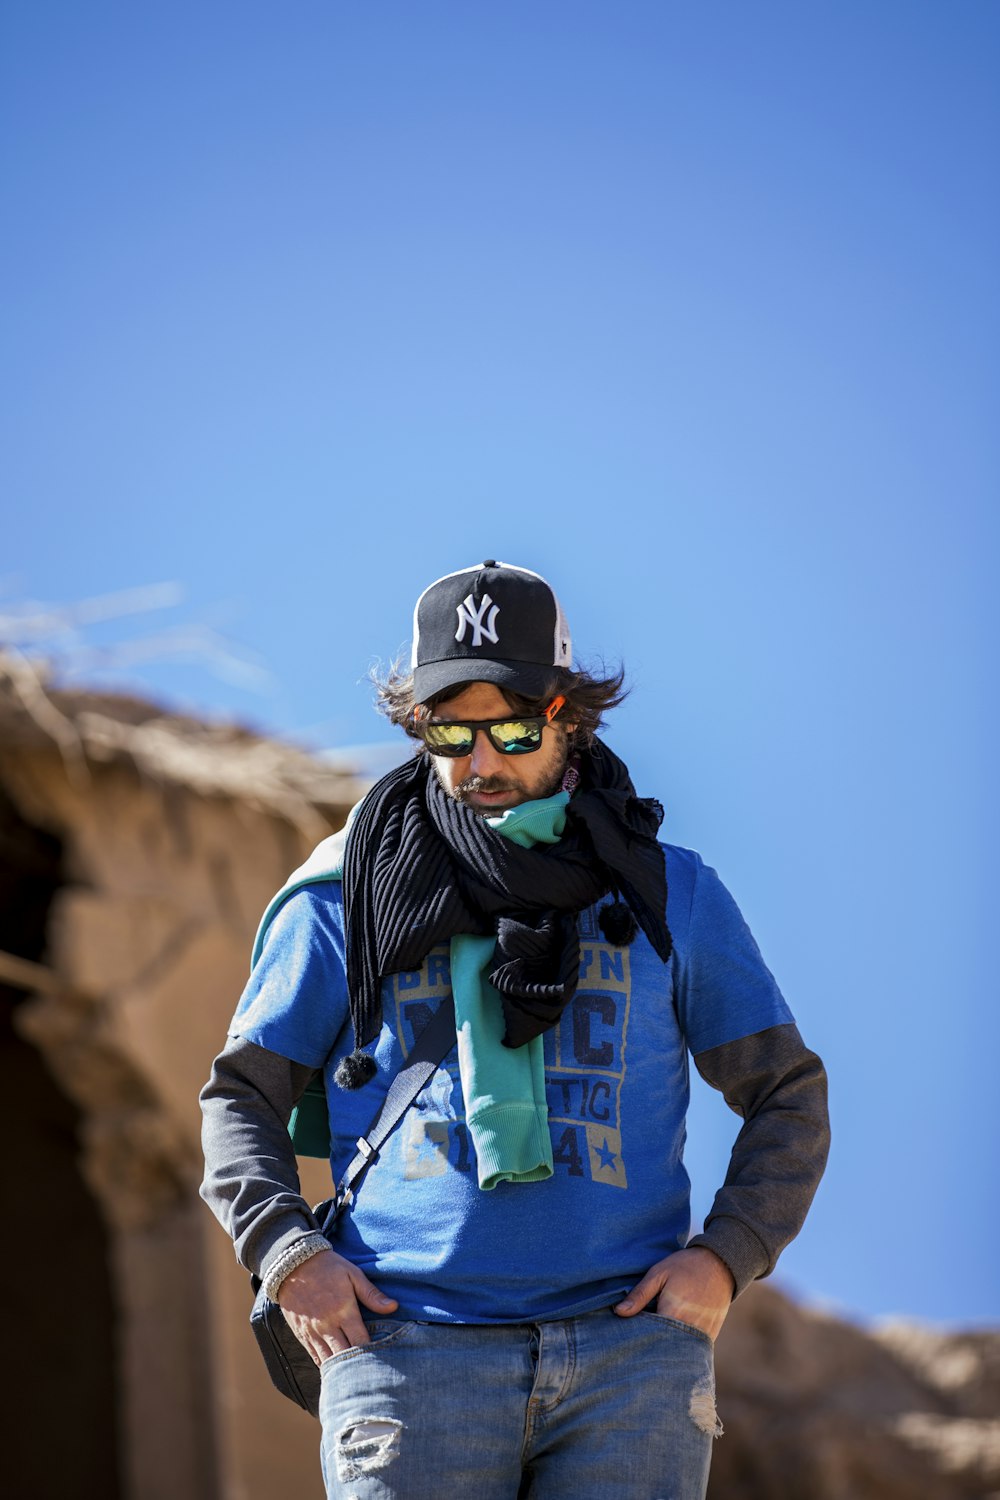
[593, 1406]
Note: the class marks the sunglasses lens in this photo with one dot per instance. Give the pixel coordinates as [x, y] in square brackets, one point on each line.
[516, 737]
[447, 739]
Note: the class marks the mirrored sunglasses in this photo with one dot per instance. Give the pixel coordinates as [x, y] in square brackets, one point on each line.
[514, 735]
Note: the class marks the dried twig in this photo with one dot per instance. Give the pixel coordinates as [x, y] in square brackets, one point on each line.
[54, 634]
[27, 678]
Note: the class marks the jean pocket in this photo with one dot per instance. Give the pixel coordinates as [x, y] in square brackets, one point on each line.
[698, 1333]
[383, 1331]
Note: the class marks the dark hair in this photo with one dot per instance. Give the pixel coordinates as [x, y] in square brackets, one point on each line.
[588, 698]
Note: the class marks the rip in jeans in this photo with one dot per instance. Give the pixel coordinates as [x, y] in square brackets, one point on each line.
[365, 1446]
[702, 1409]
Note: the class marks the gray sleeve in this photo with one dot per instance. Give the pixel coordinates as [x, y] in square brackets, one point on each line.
[251, 1179]
[779, 1088]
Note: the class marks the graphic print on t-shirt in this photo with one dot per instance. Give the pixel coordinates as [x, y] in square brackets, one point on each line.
[584, 1068]
[585, 1064]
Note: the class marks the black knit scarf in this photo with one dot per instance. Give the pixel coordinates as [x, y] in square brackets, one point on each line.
[421, 867]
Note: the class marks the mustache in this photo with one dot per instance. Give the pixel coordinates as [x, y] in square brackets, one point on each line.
[483, 784]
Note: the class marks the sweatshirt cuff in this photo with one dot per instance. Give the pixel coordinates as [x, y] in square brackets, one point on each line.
[737, 1247]
[512, 1143]
[274, 1237]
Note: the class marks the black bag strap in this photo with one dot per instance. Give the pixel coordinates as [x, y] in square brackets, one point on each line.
[430, 1048]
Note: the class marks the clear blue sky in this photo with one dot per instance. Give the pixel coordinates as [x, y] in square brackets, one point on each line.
[692, 308]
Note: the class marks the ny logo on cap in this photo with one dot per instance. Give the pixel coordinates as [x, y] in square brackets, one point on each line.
[468, 614]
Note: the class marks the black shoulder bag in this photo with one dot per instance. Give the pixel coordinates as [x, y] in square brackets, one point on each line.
[289, 1363]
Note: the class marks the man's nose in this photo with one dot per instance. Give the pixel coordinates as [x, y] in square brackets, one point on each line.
[484, 757]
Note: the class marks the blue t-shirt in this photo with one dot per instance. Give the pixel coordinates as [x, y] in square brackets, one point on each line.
[617, 1085]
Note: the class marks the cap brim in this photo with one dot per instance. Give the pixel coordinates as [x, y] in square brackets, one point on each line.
[530, 678]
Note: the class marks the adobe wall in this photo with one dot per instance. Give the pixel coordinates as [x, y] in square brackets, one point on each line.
[148, 939]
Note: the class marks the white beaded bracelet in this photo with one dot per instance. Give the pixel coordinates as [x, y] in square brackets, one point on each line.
[289, 1260]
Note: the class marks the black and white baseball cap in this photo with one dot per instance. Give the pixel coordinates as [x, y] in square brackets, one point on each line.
[488, 623]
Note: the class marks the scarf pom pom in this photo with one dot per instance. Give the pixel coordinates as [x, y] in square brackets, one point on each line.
[354, 1071]
[617, 923]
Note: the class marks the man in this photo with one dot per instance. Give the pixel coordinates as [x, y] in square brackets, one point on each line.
[513, 1306]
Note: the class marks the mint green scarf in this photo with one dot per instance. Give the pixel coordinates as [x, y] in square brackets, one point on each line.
[503, 1087]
